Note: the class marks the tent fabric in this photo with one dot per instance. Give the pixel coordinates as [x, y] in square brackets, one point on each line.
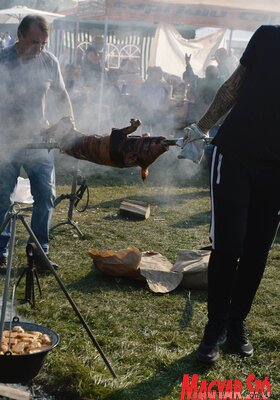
[15, 14]
[169, 48]
[260, 5]
[213, 13]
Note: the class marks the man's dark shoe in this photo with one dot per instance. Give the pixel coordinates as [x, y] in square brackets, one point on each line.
[215, 335]
[238, 341]
[34, 258]
[3, 264]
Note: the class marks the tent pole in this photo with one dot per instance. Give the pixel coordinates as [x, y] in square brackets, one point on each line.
[102, 74]
[76, 38]
[230, 41]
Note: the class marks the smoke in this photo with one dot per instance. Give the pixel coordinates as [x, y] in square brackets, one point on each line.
[23, 87]
[99, 107]
[166, 172]
[101, 103]
[105, 102]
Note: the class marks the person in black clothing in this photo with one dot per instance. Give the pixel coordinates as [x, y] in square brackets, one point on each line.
[69, 76]
[201, 91]
[245, 192]
[91, 68]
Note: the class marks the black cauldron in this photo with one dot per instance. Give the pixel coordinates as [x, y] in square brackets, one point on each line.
[23, 368]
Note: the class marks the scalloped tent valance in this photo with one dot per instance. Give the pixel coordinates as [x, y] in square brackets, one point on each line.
[232, 14]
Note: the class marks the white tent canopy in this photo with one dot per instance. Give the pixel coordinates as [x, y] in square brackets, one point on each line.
[15, 14]
[226, 14]
[169, 49]
[257, 5]
[232, 14]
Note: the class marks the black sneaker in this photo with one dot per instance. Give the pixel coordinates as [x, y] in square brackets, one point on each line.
[215, 335]
[237, 340]
[36, 260]
[3, 264]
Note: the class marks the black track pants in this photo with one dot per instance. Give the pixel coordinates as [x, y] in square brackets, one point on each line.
[245, 206]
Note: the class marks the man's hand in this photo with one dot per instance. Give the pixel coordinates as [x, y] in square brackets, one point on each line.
[192, 133]
[194, 143]
[63, 133]
[188, 58]
[59, 130]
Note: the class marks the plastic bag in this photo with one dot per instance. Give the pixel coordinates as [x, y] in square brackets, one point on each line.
[22, 193]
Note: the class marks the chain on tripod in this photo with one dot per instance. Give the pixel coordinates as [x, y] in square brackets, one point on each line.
[80, 197]
[31, 275]
[82, 192]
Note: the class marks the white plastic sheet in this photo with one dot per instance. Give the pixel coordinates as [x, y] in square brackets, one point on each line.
[169, 48]
[22, 193]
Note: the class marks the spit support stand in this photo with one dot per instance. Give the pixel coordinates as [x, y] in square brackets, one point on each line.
[14, 214]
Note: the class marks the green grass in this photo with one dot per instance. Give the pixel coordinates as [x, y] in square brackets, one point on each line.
[149, 339]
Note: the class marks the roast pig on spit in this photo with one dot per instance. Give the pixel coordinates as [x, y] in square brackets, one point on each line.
[117, 149]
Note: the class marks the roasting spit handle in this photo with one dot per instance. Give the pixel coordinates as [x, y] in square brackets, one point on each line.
[173, 142]
[27, 145]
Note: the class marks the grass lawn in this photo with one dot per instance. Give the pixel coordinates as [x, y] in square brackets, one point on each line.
[150, 339]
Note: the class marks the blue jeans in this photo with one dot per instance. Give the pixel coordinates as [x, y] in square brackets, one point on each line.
[39, 166]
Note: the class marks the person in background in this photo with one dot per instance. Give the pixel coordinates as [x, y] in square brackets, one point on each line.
[28, 71]
[69, 76]
[91, 67]
[130, 76]
[245, 192]
[226, 63]
[154, 96]
[7, 40]
[114, 99]
[201, 91]
[112, 89]
[98, 44]
[200, 94]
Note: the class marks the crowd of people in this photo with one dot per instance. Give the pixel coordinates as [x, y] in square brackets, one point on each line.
[165, 103]
[245, 196]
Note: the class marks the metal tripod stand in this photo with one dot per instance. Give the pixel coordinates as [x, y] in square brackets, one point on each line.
[31, 276]
[13, 216]
[74, 197]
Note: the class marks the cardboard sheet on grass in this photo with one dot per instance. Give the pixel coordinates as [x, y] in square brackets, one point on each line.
[190, 269]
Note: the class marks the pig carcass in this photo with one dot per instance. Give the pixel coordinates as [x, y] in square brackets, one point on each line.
[118, 149]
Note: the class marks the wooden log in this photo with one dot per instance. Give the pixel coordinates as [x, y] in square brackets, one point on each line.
[14, 393]
[135, 209]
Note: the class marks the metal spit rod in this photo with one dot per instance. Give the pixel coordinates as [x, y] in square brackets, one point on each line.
[27, 145]
[54, 145]
[173, 142]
